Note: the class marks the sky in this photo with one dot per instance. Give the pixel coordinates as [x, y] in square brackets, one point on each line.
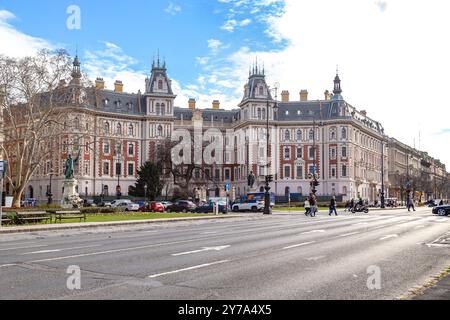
[392, 55]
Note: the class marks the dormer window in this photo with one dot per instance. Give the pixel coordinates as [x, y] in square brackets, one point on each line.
[118, 103]
[105, 102]
[160, 84]
[261, 91]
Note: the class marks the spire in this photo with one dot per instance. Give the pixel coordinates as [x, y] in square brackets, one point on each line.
[337, 83]
[76, 70]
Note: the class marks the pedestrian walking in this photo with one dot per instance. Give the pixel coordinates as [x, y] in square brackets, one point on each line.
[307, 207]
[352, 204]
[333, 206]
[411, 204]
[313, 204]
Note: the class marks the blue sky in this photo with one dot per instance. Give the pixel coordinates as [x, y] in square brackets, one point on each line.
[192, 36]
[392, 54]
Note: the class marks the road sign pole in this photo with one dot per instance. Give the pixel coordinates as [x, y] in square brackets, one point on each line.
[1, 197]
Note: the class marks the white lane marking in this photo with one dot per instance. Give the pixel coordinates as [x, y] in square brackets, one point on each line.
[348, 234]
[361, 224]
[188, 269]
[313, 231]
[201, 250]
[315, 258]
[28, 247]
[114, 251]
[8, 265]
[442, 220]
[298, 245]
[59, 250]
[390, 236]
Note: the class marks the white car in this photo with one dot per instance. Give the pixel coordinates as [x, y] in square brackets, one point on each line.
[120, 203]
[132, 207]
[249, 206]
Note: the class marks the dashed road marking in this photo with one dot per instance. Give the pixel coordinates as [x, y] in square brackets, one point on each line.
[298, 245]
[188, 269]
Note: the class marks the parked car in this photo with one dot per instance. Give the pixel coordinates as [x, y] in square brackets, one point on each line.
[89, 203]
[120, 203]
[132, 207]
[442, 210]
[182, 206]
[166, 204]
[157, 207]
[253, 206]
[209, 208]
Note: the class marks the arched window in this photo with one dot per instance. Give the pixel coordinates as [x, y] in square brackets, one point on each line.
[77, 123]
[299, 135]
[119, 128]
[158, 109]
[160, 85]
[163, 109]
[259, 113]
[287, 135]
[311, 134]
[131, 130]
[344, 133]
[107, 127]
[160, 131]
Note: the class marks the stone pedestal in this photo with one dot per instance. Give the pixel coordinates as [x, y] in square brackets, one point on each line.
[70, 198]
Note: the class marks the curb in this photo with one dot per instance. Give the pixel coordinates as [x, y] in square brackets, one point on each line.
[94, 225]
[420, 290]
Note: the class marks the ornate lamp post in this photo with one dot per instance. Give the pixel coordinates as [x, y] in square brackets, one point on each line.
[49, 192]
[145, 192]
[269, 177]
[118, 171]
[383, 204]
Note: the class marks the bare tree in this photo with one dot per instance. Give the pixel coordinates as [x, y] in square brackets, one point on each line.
[35, 95]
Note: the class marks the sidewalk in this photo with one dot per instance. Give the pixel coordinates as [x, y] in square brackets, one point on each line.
[90, 225]
[440, 291]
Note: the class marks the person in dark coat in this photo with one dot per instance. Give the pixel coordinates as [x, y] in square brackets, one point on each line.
[333, 206]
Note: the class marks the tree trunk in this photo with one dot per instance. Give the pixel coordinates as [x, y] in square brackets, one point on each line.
[16, 200]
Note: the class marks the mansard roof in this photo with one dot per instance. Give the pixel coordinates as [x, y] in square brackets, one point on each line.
[225, 116]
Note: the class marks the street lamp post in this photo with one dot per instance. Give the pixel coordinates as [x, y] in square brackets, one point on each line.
[49, 192]
[383, 205]
[145, 192]
[118, 171]
[269, 177]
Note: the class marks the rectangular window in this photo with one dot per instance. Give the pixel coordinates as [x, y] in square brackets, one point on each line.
[344, 152]
[344, 171]
[262, 152]
[287, 153]
[197, 174]
[261, 171]
[131, 149]
[106, 168]
[86, 169]
[287, 171]
[311, 153]
[311, 170]
[299, 172]
[207, 174]
[131, 169]
[106, 148]
[332, 153]
[227, 174]
[118, 169]
[299, 152]
[333, 172]
[217, 173]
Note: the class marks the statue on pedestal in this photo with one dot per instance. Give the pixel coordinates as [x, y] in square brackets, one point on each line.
[251, 179]
[71, 199]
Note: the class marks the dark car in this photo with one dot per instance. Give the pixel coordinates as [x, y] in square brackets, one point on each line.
[209, 208]
[442, 210]
[182, 206]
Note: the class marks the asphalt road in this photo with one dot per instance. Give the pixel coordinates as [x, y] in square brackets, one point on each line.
[283, 256]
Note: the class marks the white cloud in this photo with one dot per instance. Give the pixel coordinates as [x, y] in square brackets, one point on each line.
[15, 43]
[173, 9]
[392, 56]
[231, 24]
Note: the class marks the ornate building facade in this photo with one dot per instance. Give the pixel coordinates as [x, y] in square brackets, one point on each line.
[116, 132]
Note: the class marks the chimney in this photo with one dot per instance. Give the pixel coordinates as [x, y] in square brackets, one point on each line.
[285, 96]
[216, 104]
[118, 86]
[192, 104]
[99, 84]
[304, 95]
